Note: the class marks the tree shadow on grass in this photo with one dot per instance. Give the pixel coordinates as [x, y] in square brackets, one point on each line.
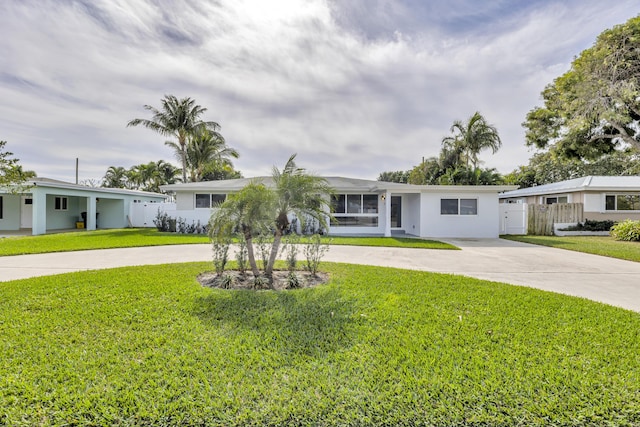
[311, 322]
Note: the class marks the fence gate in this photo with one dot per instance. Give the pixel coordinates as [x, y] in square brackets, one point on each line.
[513, 218]
[542, 217]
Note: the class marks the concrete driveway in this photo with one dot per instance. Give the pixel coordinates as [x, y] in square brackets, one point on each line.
[603, 279]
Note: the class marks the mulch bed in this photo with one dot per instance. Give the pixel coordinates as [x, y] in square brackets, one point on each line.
[246, 281]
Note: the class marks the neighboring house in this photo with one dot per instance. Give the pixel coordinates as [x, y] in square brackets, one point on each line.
[603, 197]
[363, 207]
[45, 205]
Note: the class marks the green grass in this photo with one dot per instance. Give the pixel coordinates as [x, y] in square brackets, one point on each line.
[135, 237]
[598, 245]
[392, 242]
[375, 346]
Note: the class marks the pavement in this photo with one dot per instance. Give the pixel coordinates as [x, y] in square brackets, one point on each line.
[608, 280]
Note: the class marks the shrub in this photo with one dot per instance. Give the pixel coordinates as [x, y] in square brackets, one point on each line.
[314, 250]
[626, 230]
[220, 254]
[242, 255]
[290, 251]
[293, 281]
[162, 221]
[588, 225]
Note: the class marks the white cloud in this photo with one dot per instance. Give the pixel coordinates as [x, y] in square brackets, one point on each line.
[354, 87]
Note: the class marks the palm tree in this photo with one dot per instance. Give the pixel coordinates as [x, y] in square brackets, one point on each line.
[249, 211]
[178, 118]
[472, 137]
[206, 151]
[116, 177]
[298, 192]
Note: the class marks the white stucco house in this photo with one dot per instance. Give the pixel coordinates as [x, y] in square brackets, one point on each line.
[364, 207]
[613, 198]
[47, 205]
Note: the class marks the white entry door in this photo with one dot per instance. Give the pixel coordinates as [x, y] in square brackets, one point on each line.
[26, 212]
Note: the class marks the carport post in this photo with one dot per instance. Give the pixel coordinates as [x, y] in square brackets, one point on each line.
[39, 212]
[387, 214]
[91, 213]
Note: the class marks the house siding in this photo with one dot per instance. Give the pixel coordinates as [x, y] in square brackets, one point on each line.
[483, 225]
[10, 212]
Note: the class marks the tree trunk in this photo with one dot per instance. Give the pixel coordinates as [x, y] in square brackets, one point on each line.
[268, 271]
[183, 155]
[250, 254]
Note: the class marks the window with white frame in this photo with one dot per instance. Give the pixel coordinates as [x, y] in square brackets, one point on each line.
[458, 206]
[556, 199]
[355, 210]
[60, 203]
[622, 202]
[209, 200]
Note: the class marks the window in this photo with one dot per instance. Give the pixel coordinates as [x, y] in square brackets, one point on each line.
[0, 207]
[60, 203]
[458, 206]
[557, 199]
[209, 200]
[622, 202]
[355, 210]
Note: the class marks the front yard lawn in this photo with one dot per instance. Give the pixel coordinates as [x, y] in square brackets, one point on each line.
[135, 237]
[598, 245]
[376, 346]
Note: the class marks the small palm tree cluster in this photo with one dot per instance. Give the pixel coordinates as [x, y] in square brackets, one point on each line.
[263, 209]
[458, 162]
[200, 148]
[146, 177]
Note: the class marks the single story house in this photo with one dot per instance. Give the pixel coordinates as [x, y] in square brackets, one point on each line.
[44, 205]
[613, 198]
[364, 207]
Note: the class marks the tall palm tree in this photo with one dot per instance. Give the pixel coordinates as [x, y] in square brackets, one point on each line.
[206, 151]
[178, 118]
[472, 137]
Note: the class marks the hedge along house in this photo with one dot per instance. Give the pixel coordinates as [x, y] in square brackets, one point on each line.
[363, 207]
[613, 198]
[46, 205]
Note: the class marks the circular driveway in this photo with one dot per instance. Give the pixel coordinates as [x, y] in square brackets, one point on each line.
[598, 278]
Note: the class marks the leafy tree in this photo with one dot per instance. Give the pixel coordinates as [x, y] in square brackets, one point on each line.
[257, 208]
[470, 138]
[206, 152]
[548, 167]
[395, 176]
[116, 177]
[594, 108]
[11, 173]
[146, 176]
[178, 118]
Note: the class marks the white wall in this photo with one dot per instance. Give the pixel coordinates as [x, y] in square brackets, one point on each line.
[483, 225]
[594, 202]
[411, 214]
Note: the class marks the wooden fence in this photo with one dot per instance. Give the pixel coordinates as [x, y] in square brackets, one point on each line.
[542, 217]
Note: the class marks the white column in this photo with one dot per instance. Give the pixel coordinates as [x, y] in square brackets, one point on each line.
[91, 213]
[39, 212]
[387, 214]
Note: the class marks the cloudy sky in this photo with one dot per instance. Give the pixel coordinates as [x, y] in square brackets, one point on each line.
[355, 87]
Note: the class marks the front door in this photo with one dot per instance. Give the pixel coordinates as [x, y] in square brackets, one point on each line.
[396, 211]
[26, 212]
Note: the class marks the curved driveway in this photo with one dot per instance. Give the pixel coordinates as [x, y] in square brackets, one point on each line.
[598, 278]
